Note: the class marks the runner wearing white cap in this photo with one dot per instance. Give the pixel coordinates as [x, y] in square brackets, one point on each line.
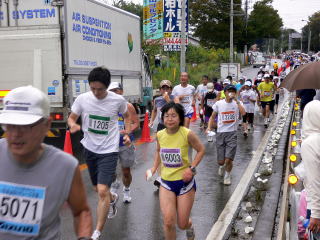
[248, 98]
[36, 179]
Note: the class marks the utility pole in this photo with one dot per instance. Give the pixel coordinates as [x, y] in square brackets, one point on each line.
[183, 37]
[231, 31]
[246, 36]
[309, 38]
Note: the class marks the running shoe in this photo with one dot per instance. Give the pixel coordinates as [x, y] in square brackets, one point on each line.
[245, 134]
[227, 179]
[265, 122]
[249, 127]
[221, 171]
[115, 186]
[126, 195]
[96, 235]
[190, 233]
[113, 208]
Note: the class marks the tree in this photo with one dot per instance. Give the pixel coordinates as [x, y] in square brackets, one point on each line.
[211, 22]
[314, 22]
[264, 23]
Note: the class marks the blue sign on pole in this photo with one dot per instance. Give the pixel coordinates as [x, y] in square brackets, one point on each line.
[152, 19]
[172, 24]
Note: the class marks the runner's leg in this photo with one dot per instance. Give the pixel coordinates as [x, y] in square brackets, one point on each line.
[168, 206]
[184, 206]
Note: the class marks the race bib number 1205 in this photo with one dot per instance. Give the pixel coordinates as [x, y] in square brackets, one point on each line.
[98, 124]
[21, 208]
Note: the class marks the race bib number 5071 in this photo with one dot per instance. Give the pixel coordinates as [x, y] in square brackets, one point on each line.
[21, 208]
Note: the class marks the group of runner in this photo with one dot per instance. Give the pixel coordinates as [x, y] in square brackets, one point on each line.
[108, 122]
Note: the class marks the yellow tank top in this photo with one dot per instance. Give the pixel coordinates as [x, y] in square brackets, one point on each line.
[222, 95]
[266, 91]
[173, 153]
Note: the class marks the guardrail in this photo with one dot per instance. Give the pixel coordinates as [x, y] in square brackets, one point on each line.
[287, 228]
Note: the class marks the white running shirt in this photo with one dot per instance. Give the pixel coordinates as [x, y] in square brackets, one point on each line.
[228, 115]
[186, 102]
[245, 97]
[100, 121]
[201, 90]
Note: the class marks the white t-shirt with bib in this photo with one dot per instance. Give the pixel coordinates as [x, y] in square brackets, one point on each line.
[246, 96]
[202, 90]
[228, 115]
[186, 102]
[100, 121]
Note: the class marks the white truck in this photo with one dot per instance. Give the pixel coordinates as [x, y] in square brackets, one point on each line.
[53, 45]
[230, 69]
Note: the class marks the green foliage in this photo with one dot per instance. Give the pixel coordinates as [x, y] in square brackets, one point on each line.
[264, 22]
[212, 22]
[200, 61]
[314, 22]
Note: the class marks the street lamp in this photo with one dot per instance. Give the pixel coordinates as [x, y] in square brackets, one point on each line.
[309, 35]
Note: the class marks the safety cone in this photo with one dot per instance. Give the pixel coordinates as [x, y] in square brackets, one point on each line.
[145, 137]
[194, 115]
[67, 143]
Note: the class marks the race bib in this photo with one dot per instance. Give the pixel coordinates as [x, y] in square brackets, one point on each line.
[98, 124]
[210, 102]
[228, 117]
[245, 99]
[171, 157]
[267, 93]
[121, 123]
[21, 208]
[185, 101]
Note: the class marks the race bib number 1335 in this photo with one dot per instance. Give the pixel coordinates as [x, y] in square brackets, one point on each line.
[21, 208]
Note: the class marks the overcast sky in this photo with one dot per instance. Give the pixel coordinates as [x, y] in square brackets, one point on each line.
[291, 11]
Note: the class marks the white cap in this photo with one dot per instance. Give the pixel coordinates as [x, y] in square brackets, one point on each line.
[266, 76]
[248, 83]
[24, 106]
[115, 85]
[226, 81]
[210, 87]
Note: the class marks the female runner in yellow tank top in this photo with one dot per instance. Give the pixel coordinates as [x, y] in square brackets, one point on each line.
[177, 190]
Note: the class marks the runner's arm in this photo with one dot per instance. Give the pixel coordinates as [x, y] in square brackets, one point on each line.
[196, 144]
[153, 114]
[241, 108]
[156, 160]
[77, 201]
[212, 121]
[133, 117]
[72, 123]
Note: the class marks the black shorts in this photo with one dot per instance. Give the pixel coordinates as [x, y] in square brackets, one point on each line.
[249, 117]
[277, 98]
[270, 104]
[102, 167]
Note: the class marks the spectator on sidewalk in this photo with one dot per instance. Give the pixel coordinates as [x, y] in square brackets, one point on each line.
[310, 153]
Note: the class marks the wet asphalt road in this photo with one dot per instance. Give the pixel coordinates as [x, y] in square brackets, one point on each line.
[141, 219]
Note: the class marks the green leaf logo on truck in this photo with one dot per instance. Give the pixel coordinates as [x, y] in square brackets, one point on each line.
[130, 42]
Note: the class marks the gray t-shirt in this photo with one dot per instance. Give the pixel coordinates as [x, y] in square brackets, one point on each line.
[31, 196]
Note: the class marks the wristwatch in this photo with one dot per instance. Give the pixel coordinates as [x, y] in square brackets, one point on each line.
[193, 170]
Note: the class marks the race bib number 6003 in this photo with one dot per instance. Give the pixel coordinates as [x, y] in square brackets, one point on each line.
[98, 124]
[21, 208]
[171, 157]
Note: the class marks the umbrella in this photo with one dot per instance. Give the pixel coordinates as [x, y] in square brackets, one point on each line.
[305, 77]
